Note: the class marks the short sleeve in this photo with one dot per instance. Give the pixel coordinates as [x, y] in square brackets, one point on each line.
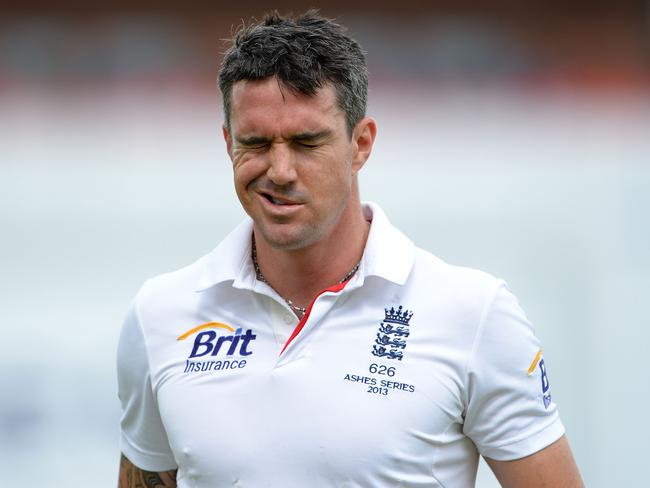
[510, 413]
[143, 438]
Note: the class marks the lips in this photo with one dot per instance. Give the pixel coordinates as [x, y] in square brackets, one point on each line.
[278, 200]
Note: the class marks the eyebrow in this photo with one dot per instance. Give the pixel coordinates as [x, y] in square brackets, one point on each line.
[302, 136]
[252, 140]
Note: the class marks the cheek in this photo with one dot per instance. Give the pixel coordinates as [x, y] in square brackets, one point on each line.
[331, 166]
[337, 171]
[330, 184]
[247, 169]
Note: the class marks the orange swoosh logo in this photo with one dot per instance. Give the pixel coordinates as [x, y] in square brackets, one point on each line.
[533, 365]
[207, 325]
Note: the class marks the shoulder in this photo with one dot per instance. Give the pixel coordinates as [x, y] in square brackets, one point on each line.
[158, 297]
[170, 289]
[466, 290]
[172, 284]
[225, 263]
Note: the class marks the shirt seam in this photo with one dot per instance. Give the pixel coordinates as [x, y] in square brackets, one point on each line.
[438, 447]
[139, 320]
[477, 338]
[517, 440]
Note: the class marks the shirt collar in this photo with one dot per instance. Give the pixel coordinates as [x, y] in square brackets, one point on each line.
[389, 254]
[230, 260]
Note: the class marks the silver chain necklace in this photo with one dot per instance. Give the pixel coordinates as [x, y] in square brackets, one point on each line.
[299, 311]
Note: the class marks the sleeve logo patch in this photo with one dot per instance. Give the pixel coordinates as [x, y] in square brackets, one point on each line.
[546, 388]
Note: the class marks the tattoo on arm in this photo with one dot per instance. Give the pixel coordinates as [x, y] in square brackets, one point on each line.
[133, 477]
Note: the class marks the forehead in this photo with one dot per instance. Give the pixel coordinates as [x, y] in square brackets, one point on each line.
[266, 107]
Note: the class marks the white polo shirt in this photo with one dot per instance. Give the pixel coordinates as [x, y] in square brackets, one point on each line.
[401, 377]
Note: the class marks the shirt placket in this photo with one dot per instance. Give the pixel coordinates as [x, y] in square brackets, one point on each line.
[284, 322]
[316, 312]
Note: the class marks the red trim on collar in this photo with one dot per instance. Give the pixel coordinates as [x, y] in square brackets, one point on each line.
[334, 289]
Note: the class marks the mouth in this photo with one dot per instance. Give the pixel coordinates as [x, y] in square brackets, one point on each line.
[279, 201]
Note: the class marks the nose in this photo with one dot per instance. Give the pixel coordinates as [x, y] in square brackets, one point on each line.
[282, 170]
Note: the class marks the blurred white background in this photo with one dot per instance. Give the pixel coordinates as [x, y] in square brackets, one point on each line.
[115, 177]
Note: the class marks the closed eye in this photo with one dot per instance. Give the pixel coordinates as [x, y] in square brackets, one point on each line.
[307, 145]
[312, 140]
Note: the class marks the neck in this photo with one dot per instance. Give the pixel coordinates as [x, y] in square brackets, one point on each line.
[298, 275]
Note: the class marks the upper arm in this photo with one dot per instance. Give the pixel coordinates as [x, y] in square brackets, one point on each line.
[133, 477]
[509, 412]
[553, 466]
[143, 436]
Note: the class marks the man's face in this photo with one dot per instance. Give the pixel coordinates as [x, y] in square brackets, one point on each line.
[294, 162]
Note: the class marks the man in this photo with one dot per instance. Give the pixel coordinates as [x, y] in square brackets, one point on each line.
[316, 346]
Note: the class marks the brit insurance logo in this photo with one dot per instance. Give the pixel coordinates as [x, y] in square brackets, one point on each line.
[393, 331]
[217, 347]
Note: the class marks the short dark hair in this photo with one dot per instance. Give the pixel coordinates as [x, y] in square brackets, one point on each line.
[305, 53]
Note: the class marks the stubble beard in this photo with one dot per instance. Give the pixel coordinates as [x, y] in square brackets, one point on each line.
[291, 236]
[304, 234]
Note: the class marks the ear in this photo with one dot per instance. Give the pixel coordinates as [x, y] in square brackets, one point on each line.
[363, 138]
[228, 139]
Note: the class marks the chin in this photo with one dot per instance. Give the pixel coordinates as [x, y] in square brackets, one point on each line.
[289, 239]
